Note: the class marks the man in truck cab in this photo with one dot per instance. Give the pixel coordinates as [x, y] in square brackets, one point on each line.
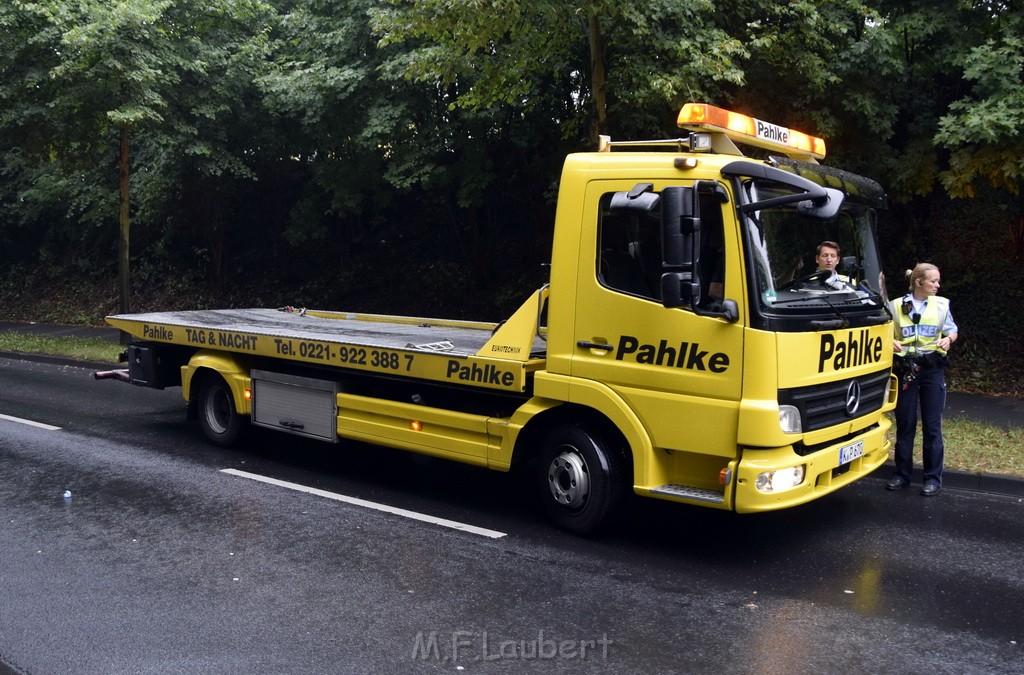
[828, 256]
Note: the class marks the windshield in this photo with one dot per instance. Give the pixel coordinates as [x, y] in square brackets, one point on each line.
[807, 265]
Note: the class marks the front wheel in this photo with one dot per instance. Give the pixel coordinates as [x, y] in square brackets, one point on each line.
[217, 415]
[581, 479]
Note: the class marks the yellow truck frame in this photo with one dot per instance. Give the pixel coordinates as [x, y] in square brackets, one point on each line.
[630, 370]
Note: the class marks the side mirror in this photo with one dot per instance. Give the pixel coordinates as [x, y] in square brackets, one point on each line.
[679, 289]
[680, 240]
[729, 311]
[822, 207]
[680, 228]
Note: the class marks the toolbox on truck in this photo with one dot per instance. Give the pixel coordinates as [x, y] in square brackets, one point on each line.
[298, 405]
[156, 365]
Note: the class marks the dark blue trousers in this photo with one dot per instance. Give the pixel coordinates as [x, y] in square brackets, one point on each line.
[926, 392]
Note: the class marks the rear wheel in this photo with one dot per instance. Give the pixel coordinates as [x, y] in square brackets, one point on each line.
[581, 478]
[217, 415]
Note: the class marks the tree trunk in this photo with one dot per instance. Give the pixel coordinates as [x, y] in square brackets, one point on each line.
[597, 77]
[124, 222]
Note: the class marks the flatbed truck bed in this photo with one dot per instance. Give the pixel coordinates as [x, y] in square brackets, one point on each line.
[458, 352]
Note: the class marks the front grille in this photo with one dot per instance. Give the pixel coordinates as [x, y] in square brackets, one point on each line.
[822, 405]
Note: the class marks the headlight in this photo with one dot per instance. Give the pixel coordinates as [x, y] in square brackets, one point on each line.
[780, 480]
[789, 419]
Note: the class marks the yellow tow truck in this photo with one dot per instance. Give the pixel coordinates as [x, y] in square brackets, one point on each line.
[686, 348]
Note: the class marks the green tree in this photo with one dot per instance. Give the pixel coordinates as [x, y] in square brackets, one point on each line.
[623, 68]
[387, 158]
[874, 78]
[802, 57]
[984, 129]
[117, 61]
[113, 74]
[330, 114]
[490, 97]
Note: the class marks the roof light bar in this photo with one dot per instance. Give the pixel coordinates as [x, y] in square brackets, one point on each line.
[745, 129]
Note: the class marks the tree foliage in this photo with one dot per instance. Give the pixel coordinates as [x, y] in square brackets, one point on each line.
[599, 65]
[308, 140]
[983, 129]
[101, 91]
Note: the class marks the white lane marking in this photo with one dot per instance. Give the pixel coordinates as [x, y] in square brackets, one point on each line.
[454, 524]
[19, 420]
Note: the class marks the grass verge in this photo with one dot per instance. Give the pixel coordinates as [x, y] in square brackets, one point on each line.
[83, 349]
[976, 447]
[971, 447]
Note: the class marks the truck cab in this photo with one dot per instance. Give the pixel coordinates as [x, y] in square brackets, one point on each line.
[740, 375]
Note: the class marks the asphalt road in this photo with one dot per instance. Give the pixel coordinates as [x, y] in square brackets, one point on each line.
[161, 561]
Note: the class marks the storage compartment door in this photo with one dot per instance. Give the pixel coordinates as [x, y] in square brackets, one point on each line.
[298, 405]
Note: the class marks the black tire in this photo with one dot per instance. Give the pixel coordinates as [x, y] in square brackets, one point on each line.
[581, 479]
[218, 417]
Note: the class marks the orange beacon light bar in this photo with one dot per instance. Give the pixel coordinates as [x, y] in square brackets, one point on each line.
[745, 129]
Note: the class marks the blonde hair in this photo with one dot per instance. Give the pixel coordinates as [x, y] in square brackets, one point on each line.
[918, 273]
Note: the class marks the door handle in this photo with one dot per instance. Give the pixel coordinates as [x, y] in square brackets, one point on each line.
[600, 346]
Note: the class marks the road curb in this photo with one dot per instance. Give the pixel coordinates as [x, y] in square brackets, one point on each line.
[985, 482]
[60, 360]
[995, 483]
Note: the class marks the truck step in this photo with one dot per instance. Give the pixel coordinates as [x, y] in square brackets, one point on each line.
[687, 492]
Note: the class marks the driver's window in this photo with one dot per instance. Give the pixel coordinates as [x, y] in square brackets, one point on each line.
[629, 252]
[630, 256]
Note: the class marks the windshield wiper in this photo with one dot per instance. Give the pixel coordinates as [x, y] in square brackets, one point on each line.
[832, 324]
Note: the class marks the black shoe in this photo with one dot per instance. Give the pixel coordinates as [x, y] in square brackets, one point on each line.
[897, 483]
[930, 490]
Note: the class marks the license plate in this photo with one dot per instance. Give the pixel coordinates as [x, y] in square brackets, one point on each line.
[850, 452]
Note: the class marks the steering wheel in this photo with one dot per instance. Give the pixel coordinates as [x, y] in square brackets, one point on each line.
[816, 275]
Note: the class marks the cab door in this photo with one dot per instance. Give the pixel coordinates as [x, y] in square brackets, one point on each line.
[678, 370]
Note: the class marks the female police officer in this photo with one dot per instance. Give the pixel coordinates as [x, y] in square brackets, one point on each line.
[924, 331]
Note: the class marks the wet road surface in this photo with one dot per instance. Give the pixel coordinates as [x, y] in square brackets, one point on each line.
[158, 561]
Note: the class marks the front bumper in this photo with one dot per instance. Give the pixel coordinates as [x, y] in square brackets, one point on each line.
[823, 472]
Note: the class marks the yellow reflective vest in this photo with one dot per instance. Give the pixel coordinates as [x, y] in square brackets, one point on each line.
[922, 335]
